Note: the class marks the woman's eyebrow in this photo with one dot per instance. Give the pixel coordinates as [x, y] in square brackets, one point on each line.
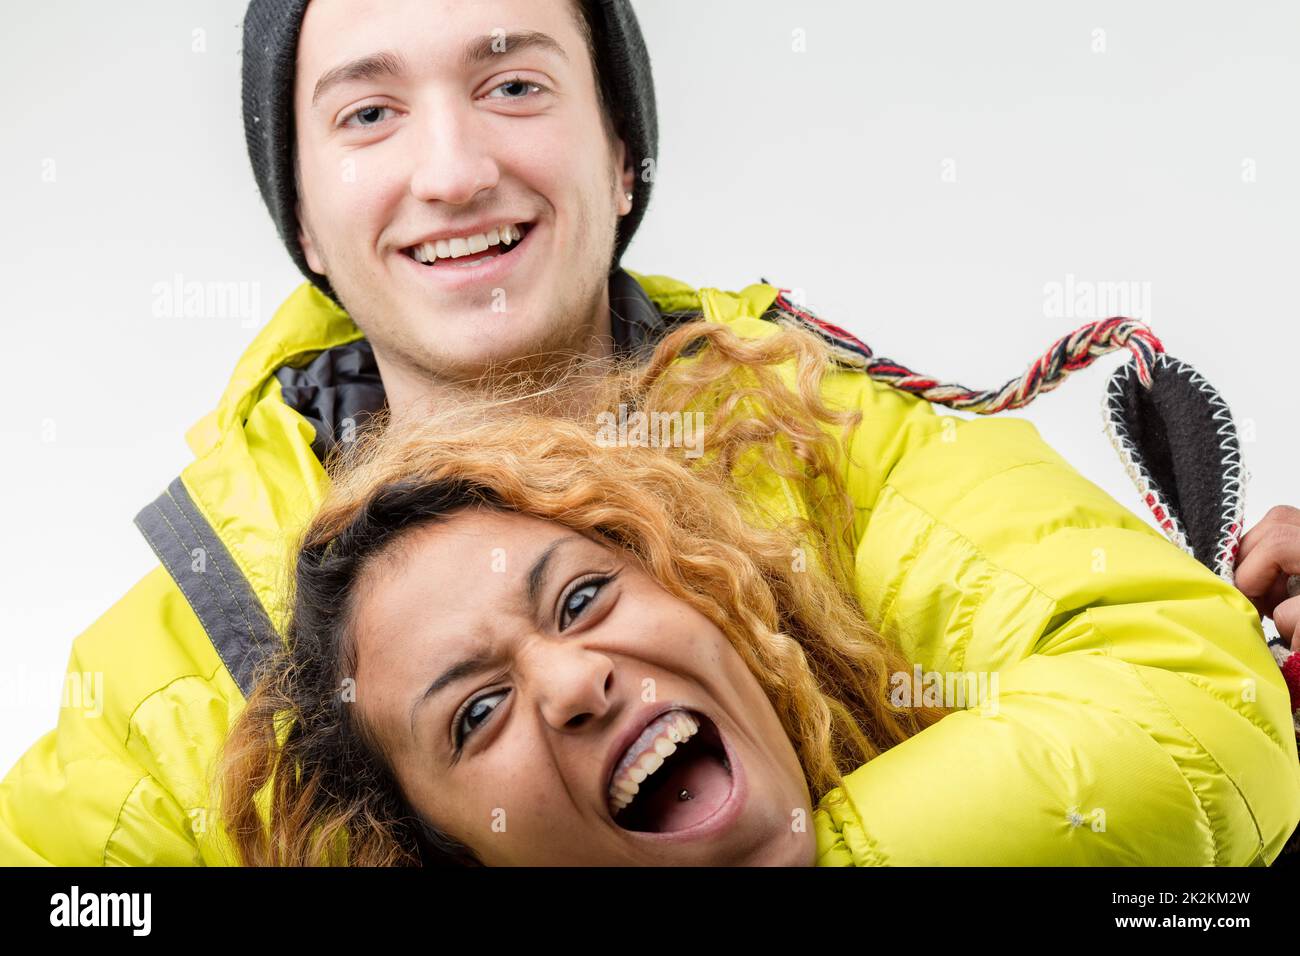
[537, 573]
[392, 64]
[458, 671]
[536, 580]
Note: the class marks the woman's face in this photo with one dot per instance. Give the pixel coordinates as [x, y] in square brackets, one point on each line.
[512, 668]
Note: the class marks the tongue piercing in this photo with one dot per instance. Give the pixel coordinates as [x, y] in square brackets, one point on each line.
[676, 727]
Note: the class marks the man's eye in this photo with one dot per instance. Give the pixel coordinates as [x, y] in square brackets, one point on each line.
[517, 82]
[368, 113]
[474, 715]
[364, 111]
[578, 599]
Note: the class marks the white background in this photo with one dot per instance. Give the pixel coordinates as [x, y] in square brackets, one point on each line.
[819, 170]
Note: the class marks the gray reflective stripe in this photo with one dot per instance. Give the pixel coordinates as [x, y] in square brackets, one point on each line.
[207, 575]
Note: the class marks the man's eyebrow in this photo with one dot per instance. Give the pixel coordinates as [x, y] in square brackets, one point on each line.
[490, 45]
[369, 67]
[477, 51]
[481, 662]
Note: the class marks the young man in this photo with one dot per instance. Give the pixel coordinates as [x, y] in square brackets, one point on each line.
[458, 181]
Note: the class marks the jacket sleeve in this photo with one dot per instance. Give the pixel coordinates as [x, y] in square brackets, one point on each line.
[118, 782]
[1131, 711]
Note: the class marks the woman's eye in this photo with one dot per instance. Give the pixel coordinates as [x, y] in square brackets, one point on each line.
[578, 599]
[475, 714]
[363, 111]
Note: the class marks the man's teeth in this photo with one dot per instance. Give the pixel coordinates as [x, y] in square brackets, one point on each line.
[431, 252]
[671, 729]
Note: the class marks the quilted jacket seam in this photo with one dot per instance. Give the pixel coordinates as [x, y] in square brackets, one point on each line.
[130, 724]
[958, 650]
[117, 820]
[1200, 803]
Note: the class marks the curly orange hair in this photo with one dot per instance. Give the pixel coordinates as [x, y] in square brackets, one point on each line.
[330, 796]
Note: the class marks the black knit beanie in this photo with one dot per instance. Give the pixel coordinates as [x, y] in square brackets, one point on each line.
[271, 29]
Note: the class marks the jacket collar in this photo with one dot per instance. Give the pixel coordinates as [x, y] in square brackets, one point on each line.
[341, 386]
[634, 319]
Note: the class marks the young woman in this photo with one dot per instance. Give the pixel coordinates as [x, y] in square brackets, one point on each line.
[538, 638]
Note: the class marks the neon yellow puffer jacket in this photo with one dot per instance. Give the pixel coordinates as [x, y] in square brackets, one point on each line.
[1138, 719]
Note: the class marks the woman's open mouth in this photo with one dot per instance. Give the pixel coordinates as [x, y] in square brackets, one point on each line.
[676, 775]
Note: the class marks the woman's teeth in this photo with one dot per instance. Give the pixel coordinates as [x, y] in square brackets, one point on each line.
[430, 252]
[665, 733]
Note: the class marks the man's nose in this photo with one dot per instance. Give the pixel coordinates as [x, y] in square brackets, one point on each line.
[572, 684]
[453, 161]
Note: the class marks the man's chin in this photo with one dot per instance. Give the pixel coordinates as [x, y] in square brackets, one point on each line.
[511, 348]
[510, 332]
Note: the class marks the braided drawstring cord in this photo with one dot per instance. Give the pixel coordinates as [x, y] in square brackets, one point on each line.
[1068, 354]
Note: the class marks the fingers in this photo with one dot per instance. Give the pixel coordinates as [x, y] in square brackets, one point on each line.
[1271, 598]
[1269, 553]
[1278, 514]
[1286, 616]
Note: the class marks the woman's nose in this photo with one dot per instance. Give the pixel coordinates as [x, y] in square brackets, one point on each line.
[573, 684]
[453, 161]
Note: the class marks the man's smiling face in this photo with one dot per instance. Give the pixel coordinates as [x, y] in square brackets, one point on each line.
[430, 118]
